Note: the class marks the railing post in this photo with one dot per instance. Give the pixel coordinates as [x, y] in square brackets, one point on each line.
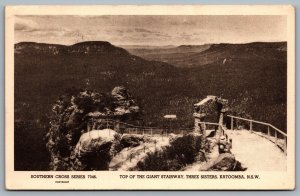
[136, 131]
[151, 132]
[285, 145]
[88, 127]
[219, 132]
[106, 124]
[276, 137]
[143, 131]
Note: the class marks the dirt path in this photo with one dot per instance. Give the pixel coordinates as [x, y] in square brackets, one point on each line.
[255, 152]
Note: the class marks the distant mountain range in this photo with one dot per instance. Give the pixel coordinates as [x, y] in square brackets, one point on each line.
[92, 47]
[198, 55]
[180, 56]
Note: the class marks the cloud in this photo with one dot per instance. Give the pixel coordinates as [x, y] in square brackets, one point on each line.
[30, 26]
[160, 30]
[22, 24]
[20, 27]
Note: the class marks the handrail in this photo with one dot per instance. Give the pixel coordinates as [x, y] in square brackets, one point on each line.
[284, 147]
[145, 127]
[278, 130]
[134, 126]
[210, 123]
[259, 122]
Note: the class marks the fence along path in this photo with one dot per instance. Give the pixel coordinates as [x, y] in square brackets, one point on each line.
[135, 129]
[272, 133]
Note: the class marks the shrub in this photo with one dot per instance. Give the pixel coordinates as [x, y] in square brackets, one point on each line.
[182, 151]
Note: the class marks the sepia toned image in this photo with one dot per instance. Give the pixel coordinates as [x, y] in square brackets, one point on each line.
[182, 93]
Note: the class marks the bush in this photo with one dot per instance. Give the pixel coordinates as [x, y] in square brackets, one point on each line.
[182, 151]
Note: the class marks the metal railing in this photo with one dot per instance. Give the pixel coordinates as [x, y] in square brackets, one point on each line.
[272, 133]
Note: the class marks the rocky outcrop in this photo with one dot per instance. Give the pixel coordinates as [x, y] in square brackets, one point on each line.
[209, 108]
[225, 162]
[94, 141]
[124, 102]
[69, 141]
[93, 150]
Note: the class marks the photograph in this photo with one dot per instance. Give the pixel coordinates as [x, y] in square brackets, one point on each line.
[197, 93]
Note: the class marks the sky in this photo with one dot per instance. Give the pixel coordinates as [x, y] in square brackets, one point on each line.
[151, 30]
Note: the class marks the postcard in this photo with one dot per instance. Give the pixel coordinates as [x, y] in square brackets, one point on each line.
[150, 97]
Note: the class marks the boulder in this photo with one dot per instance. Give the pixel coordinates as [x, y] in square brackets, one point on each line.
[226, 162]
[93, 150]
[94, 141]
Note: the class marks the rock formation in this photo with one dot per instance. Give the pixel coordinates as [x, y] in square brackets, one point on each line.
[210, 109]
[124, 103]
[226, 162]
[68, 125]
